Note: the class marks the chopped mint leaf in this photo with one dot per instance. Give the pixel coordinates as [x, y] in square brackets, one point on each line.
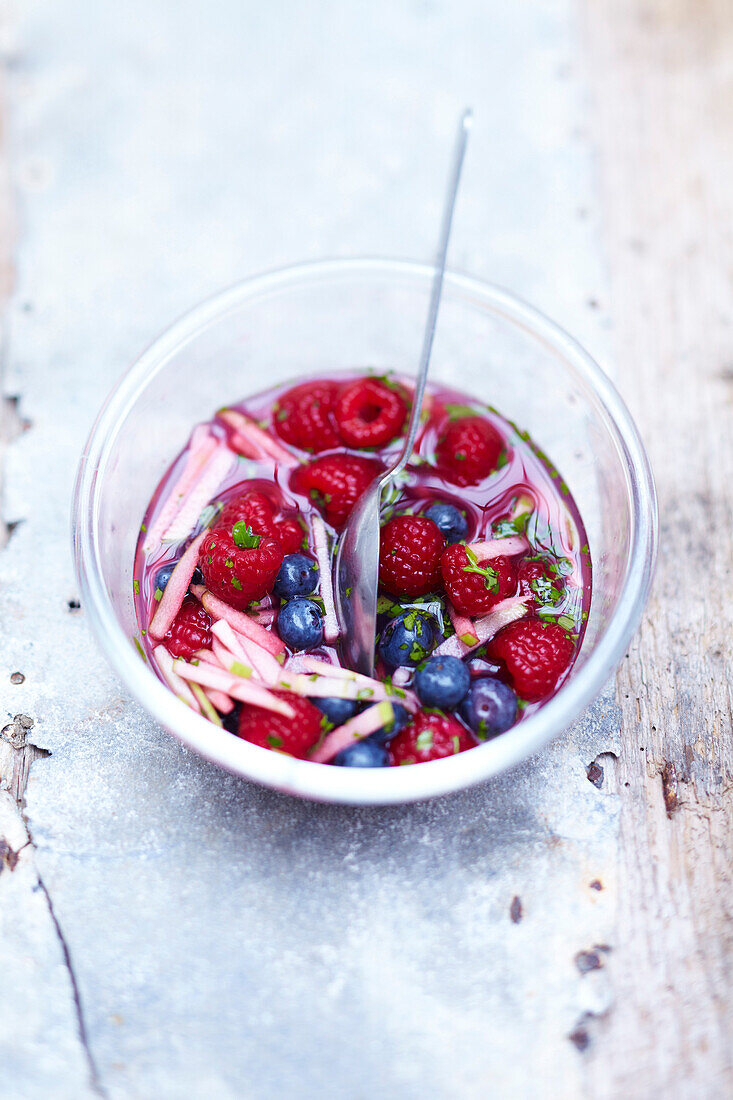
[143, 527]
[424, 740]
[567, 622]
[273, 741]
[236, 583]
[244, 537]
[456, 743]
[545, 591]
[490, 576]
[136, 587]
[457, 412]
[158, 595]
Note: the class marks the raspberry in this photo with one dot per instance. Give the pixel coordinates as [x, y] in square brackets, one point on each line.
[303, 417]
[290, 534]
[335, 483]
[294, 736]
[537, 581]
[535, 654]
[369, 413]
[257, 510]
[429, 737]
[251, 507]
[409, 556]
[191, 630]
[239, 565]
[468, 450]
[473, 586]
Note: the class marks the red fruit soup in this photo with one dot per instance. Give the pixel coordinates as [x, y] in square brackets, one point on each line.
[485, 573]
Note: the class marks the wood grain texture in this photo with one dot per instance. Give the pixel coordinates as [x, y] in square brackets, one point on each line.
[662, 80]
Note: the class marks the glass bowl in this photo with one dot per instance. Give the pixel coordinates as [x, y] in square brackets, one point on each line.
[331, 316]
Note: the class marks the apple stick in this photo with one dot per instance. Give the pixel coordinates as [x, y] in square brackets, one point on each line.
[236, 686]
[231, 663]
[178, 686]
[496, 548]
[463, 626]
[369, 721]
[324, 687]
[205, 703]
[221, 701]
[502, 613]
[239, 620]
[210, 480]
[175, 590]
[323, 556]
[200, 450]
[261, 440]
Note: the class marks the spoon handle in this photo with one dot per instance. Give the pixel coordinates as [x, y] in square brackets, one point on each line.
[437, 288]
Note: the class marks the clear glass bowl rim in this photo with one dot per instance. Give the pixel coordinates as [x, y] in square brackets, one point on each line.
[324, 782]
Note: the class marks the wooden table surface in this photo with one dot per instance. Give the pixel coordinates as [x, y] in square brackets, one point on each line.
[600, 921]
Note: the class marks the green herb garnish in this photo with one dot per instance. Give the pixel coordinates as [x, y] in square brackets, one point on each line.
[244, 537]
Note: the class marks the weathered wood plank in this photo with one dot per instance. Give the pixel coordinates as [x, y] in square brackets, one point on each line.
[662, 73]
[227, 941]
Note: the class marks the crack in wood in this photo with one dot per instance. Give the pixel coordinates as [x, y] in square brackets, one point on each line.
[95, 1081]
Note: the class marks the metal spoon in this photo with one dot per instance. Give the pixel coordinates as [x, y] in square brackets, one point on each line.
[357, 559]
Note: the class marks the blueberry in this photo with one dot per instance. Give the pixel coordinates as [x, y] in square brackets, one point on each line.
[298, 576]
[386, 733]
[364, 754]
[337, 711]
[230, 721]
[452, 523]
[300, 624]
[490, 707]
[442, 682]
[407, 640]
[164, 575]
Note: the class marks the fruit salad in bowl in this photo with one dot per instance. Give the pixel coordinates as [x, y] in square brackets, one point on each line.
[484, 573]
[217, 481]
